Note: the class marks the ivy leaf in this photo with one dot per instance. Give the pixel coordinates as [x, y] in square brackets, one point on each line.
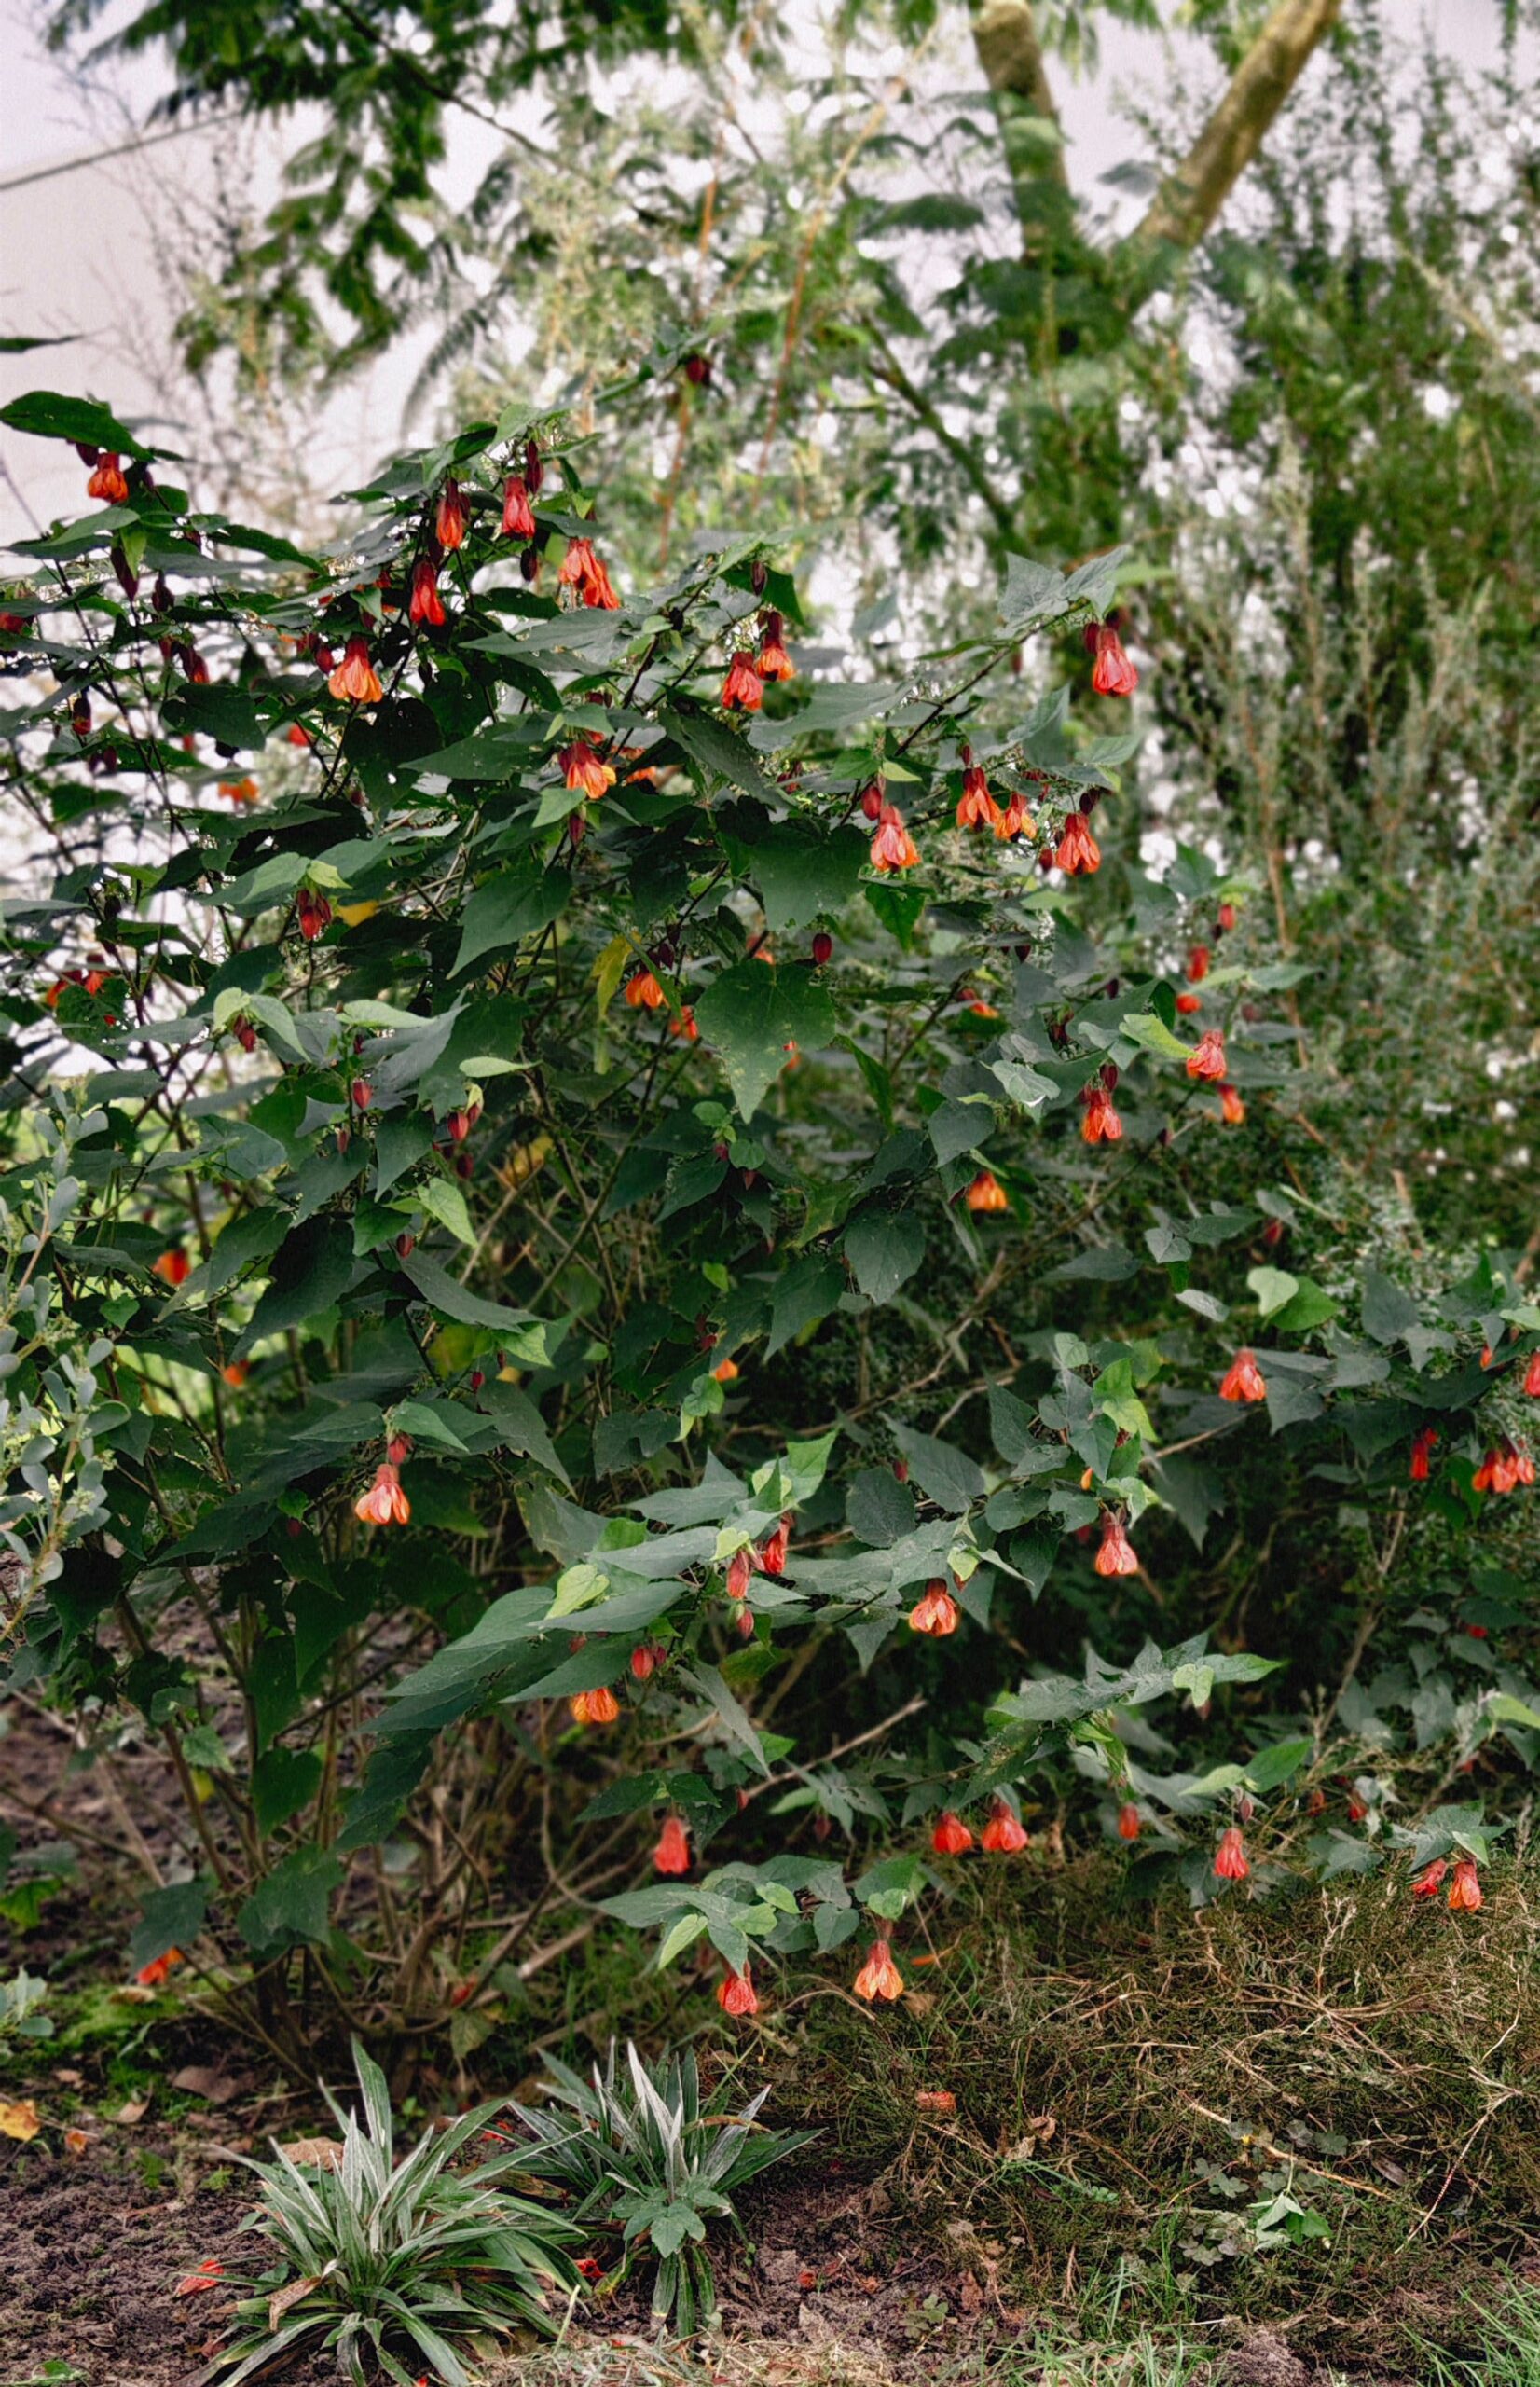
[750, 1014]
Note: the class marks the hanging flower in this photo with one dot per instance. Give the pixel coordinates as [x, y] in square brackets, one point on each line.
[1116, 1555]
[976, 808]
[519, 519]
[1113, 675]
[582, 767]
[1207, 1056]
[1187, 1004]
[1229, 1860]
[1233, 1111]
[1015, 821]
[735, 1994]
[740, 1574]
[1427, 1883]
[1130, 1821]
[643, 993]
[672, 1853]
[598, 1706]
[1465, 1894]
[1422, 1448]
[239, 791]
[685, 1026]
[1243, 1379]
[150, 1975]
[986, 1194]
[1503, 1469]
[1003, 1834]
[772, 1552]
[1197, 964]
[1532, 1376]
[951, 1837]
[581, 570]
[314, 914]
[1077, 852]
[173, 1268]
[743, 690]
[384, 1503]
[935, 1611]
[879, 1976]
[1101, 1123]
[426, 604]
[872, 800]
[892, 846]
[108, 481]
[726, 1372]
[772, 662]
[355, 680]
[449, 521]
[823, 949]
[235, 1373]
[298, 735]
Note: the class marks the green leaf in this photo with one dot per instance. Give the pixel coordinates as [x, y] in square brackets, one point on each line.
[523, 1334]
[292, 1904]
[1310, 1306]
[885, 1248]
[809, 1290]
[1272, 1287]
[284, 1780]
[1142, 1028]
[311, 1269]
[1388, 1314]
[442, 1200]
[1270, 1767]
[944, 1475]
[514, 905]
[709, 1682]
[167, 1918]
[750, 1013]
[801, 876]
[47, 415]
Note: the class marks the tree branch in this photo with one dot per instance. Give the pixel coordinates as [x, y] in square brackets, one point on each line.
[1189, 199]
[1005, 36]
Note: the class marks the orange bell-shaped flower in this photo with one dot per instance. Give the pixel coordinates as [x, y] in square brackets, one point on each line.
[879, 1976]
[1242, 1379]
[384, 1503]
[1003, 1834]
[672, 1853]
[1230, 1859]
[951, 1837]
[935, 1612]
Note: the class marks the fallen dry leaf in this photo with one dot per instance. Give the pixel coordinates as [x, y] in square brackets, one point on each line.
[325, 2153]
[206, 2080]
[134, 2111]
[20, 2120]
[75, 2142]
[129, 1993]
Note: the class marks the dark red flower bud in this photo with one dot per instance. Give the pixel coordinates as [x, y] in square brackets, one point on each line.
[823, 948]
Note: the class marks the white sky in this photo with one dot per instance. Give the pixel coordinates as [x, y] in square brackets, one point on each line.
[76, 253]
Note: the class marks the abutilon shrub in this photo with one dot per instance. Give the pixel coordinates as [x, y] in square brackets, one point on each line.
[473, 1210]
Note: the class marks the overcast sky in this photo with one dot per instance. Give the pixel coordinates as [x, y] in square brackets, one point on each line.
[75, 253]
